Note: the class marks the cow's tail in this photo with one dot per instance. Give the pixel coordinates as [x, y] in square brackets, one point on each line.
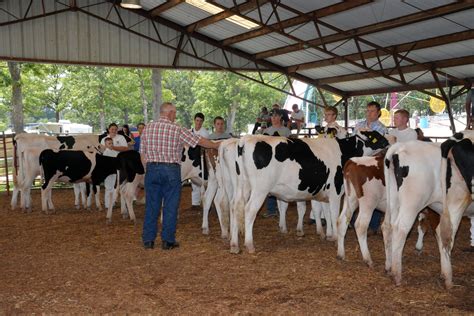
[240, 198]
[390, 187]
[445, 226]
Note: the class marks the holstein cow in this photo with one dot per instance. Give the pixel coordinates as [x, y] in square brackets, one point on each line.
[292, 170]
[28, 148]
[82, 166]
[364, 186]
[458, 188]
[413, 179]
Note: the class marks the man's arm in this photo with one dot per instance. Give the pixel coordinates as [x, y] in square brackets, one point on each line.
[204, 142]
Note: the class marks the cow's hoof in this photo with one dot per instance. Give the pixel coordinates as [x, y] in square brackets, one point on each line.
[388, 271]
[124, 215]
[205, 231]
[250, 249]
[134, 222]
[331, 238]
[88, 209]
[225, 236]
[341, 257]
[448, 285]
[283, 230]
[78, 207]
[369, 263]
[419, 252]
[235, 250]
[397, 280]
[108, 221]
[300, 233]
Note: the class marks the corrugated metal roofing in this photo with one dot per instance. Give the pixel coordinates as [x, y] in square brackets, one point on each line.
[285, 40]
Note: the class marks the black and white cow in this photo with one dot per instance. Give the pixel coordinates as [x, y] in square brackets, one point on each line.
[413, 178]
[28, 148]
[292, 170]
[458, 185]
[83, 166]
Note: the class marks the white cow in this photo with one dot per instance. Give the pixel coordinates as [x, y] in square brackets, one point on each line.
[28, 147]
[413, 181]
[292, 170]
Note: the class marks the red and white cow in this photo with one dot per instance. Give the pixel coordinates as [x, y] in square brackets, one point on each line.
[292, 170]
[364, 184]
[413, 181]
[28, 148]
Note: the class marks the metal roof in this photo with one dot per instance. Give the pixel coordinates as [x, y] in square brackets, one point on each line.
[346, 47]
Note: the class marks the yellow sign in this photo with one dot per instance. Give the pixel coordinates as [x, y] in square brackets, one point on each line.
[336, 97]
[385, 117]
[437, 105]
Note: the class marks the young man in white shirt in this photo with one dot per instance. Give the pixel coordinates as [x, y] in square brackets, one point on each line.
[197, 130]
[402, 132]
[297, 119]
[119, 144]
[219, 129]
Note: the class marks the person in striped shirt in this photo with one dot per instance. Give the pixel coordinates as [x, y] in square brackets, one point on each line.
[161, 149]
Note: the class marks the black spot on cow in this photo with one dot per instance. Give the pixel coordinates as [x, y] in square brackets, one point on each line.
[458, 136]
[446, 146]
[237, 169]
[449, 173]
[281, 152]
[194, 154]
[350, 147]
[67, 142]
[387, 163]
[262, 154]
[313, 174]
[463, 153]
[400, 171]
[183, 156]
[130, 165]
[338, 180]
[375, 140]
[328, 186]
[240, 150]
[331, 132]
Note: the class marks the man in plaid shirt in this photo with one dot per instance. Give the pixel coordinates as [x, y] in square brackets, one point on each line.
[161, 149]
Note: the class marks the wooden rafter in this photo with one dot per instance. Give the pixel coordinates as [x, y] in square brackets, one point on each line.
[242, 8]
[326, 11]
[445, 63]
[165, 6]
[405, 47]
[372, 28]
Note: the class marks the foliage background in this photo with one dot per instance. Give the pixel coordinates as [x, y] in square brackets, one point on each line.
[98, 96]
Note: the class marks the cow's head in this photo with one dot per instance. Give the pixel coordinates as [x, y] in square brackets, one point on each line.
[373, 141]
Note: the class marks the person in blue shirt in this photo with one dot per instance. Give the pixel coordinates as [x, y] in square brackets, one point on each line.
[372, 123]
[140, 127]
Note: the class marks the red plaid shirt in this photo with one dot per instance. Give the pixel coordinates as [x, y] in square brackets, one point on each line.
[162, 141]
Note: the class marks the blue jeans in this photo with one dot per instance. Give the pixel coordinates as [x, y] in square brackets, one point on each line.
[162, 187]
[271, 205]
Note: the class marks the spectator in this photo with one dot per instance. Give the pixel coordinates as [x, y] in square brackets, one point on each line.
[277, 129]
[161, 149]
[297, 119]
[263, 120]
[219, 129]
[284, 114]
[201, 131]
[125, 132]
[332, 129]
[421, 136]
[118, 144]
[372, 123]
[402, 132]
[140, 127]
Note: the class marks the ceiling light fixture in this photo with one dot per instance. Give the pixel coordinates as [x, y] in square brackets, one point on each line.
[131, 4]
[212, 9]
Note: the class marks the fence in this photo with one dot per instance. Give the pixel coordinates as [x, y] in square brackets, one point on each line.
[6, 162]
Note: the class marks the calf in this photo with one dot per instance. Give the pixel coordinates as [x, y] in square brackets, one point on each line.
[83, 166]
[413, 181]
[458, 194]
[27, 150]
[292, 170]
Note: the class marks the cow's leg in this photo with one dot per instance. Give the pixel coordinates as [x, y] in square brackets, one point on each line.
[207, 199]
[349, 205]
[237, 219]
[46, 193]
[128, 194]
[400, 229]
[282, 208]
[222, 214]
[446, 232]
[14, 200]
[331, 217]
[301, 207]
[98, 204]
[316, 209]
[366, 209]
[251, 210]
[422, 229]
[77, 192]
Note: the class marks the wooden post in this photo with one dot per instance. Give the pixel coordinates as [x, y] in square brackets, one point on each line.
[346, 112]
[6, 162]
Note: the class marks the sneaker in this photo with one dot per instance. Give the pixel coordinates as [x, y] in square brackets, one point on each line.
[165, 245]
[149, 244]
[270, 214]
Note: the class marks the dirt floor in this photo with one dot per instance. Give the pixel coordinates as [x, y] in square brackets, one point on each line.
[72, 262]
